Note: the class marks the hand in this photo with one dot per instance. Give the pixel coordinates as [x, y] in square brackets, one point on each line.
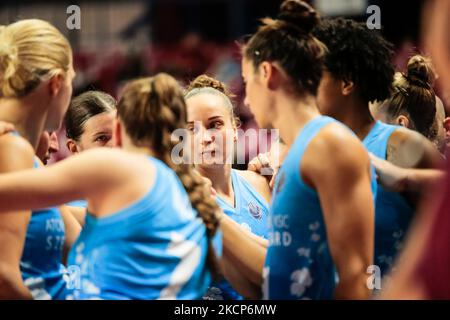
[390, 176]
[5, 127]
[261, 164]
[209, 184]
[267, 164]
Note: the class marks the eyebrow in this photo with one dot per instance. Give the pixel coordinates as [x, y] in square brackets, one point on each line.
[210, 118]
[101, 132]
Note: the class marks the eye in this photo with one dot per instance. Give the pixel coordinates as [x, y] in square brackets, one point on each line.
[102, 138]
[192, 129]
[216, 124]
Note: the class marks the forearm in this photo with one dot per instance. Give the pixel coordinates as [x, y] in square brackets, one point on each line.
[239, 282]
[72, 228]
[353, 287]
[246, 254]
[417, 180]
[11, 285]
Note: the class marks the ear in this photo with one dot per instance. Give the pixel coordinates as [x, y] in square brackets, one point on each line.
[72, 146]
[269, 74]
[55, 83]
[403, 121]
[117, 133]
[447, 126]
[347, 87]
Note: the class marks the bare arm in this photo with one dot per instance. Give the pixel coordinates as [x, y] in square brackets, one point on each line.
[241, 284]
[251, 236]
[409, 149]
[78, 213]
[258, 182]
[246, 254]
[15, 154]
[341, 177]
[91, 174]
[72, 230]
[398, 179]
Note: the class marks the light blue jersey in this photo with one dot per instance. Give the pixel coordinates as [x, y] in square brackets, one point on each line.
[41, 263]
[251, 211]
[154, 249]
[78, 204]
[393, 214]
[298, 263]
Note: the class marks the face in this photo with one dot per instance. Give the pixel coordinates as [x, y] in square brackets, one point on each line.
[256, 95]
[213, 131]
[43, 146]
[98, 132]
[329, 95]
[59, 102]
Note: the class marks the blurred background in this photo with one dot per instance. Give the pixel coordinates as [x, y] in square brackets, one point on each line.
[120, 40]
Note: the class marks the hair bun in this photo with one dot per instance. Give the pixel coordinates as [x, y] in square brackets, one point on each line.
[204, 81]
[300, 14]
[9, 59]
[420, 71]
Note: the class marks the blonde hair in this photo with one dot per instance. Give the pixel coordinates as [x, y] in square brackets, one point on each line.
[206, 84]
[151, 109]
[31, 51]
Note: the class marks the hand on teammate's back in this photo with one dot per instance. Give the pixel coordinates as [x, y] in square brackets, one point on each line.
[6, 127]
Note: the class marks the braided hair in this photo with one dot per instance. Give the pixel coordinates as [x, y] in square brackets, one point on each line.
[151, 109]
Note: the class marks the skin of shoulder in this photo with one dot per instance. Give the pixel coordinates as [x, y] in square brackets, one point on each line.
[258, 182]
[16, 154]
[333, 147]
[409, 149]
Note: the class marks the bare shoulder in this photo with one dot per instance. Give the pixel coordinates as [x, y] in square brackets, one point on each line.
[334, 150]
[334, 143]
[114, 161]
[410, 149]
[15, 153]
[252, 177]
[257, 181]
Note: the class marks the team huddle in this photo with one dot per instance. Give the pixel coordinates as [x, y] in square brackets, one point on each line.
[126, 217]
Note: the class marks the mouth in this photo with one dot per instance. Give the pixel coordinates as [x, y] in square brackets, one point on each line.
[209, 152]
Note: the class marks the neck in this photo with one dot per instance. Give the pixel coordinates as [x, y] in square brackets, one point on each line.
[356, 115]
[220, 177]
[27, 116]
[293, 114]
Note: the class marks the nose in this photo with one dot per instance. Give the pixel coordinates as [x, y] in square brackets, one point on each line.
[246, 103]
[206, 136]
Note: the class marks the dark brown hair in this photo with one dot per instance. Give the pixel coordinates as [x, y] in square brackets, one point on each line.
[82, 108]
[414, 96]
[288, 41]
[151, 109]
